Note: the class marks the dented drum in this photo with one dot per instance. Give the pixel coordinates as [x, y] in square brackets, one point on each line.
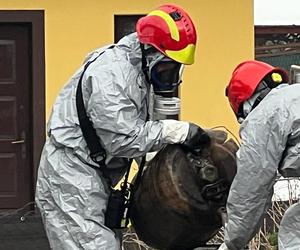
[169, 210]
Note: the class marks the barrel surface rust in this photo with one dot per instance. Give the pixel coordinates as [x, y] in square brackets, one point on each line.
[169, 210]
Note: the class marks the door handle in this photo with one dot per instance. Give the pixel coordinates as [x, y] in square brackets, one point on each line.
[18, 142]
[22, 141]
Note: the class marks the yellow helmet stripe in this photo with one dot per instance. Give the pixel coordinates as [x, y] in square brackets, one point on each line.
[170, 22]
[184, 56]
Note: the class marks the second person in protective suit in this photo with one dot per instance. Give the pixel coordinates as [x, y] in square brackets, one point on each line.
[72, 193]
[268, 110]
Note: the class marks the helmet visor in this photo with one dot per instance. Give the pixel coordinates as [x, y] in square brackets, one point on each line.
[166, 75]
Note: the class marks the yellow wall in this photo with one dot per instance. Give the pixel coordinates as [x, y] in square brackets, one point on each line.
[226, 36]
[225, 31]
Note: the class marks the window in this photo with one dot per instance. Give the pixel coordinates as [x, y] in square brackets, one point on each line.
[124, 25]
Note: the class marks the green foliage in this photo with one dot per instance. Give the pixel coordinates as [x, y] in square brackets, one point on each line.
[273, 239]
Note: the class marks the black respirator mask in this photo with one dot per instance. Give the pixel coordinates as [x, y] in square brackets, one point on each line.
[164, 74]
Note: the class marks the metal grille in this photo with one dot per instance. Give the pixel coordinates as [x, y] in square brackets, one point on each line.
[283, 61]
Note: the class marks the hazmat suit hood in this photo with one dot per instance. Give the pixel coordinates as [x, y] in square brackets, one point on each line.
[130, 46]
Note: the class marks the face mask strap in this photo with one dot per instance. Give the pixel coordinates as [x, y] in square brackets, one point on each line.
[145, 68]
[146, 51]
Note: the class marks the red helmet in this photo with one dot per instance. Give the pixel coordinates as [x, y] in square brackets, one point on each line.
[170, 30]
[246, 77]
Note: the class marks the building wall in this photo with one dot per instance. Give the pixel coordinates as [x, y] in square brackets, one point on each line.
[225, 32]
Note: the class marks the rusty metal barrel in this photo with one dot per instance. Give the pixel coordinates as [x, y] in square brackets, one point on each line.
[169, 210]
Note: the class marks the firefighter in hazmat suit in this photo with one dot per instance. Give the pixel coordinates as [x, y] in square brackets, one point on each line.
[71, 193]
[269, 113]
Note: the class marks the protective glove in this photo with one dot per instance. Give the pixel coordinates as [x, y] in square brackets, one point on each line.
[223, 247]
[196, 139]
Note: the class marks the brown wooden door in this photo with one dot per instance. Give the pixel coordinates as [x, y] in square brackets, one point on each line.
[15, 117]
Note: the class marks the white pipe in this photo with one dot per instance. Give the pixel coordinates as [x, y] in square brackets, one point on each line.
[294, 74]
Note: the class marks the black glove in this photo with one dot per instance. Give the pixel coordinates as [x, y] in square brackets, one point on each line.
[196, 140]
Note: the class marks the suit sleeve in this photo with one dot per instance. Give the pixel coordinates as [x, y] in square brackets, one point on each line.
[118, 115]
[264, 136]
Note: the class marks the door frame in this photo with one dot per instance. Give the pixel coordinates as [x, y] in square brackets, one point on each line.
[34, 18]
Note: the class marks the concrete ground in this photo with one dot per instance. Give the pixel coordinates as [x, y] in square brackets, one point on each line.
[22, 232]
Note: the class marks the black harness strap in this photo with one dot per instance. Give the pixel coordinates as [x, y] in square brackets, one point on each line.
[97, 152]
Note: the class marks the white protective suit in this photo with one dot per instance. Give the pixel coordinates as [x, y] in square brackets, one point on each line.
[270, 141]
[71, 195]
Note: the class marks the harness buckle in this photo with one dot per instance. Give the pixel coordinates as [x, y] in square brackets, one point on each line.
[99, 158]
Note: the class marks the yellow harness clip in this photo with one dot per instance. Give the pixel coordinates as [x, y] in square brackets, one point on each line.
[276, 77]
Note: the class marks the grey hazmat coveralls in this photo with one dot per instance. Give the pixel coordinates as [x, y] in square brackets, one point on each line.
[270, 141]
[71, 195]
